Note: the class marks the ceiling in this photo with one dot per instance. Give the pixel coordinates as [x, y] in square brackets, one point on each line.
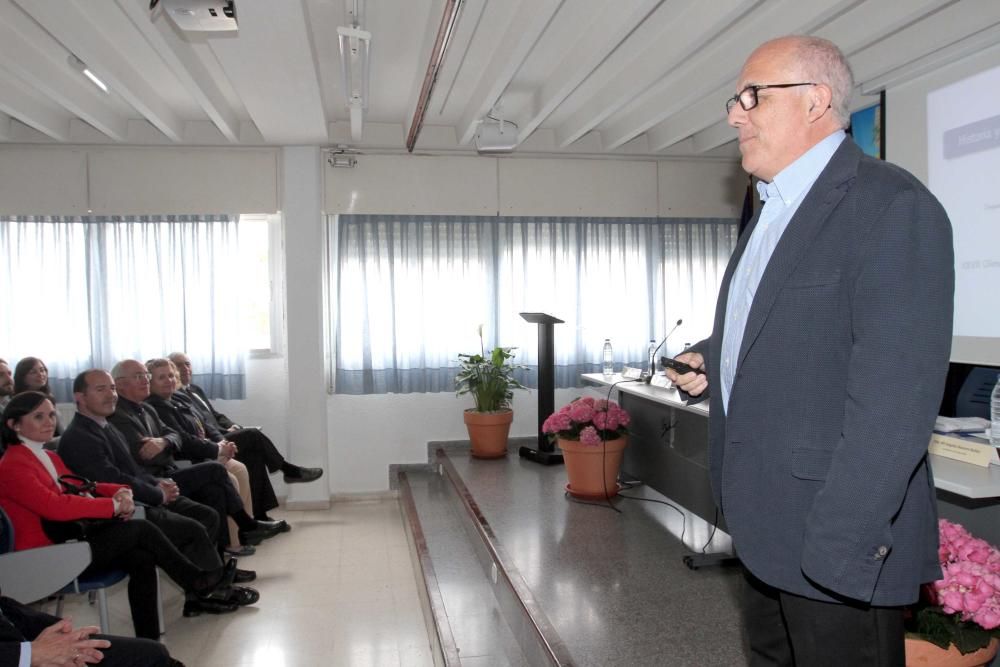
[588, 77]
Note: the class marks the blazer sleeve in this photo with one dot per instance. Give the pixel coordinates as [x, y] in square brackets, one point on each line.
[87, 452]
[903, 292]
[29, 485]
[134, 436]
[193, 448]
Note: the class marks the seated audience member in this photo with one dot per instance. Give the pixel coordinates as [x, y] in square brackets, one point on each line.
[31, 492]
[31, 374]
[155, 447]
[6, 384]
[255, 449]
[162, 385]
[97, 450]
[30, 637]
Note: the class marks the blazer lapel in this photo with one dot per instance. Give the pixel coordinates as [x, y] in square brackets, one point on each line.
[810, 217]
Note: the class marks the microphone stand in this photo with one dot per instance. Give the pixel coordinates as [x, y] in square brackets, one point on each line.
[652, 358]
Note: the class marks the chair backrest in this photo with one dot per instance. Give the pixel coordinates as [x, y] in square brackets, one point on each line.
[6, 533]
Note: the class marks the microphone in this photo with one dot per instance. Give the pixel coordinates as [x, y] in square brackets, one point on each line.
[652, 357]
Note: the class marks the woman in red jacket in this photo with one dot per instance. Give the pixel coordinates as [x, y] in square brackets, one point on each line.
[30, 491]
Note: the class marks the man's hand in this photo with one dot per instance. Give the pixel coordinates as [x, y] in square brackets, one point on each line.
[227, 449]
[234, 427]
[693, 383]
[170, 490]
[151, 447]
[124, 502]
[60, 644]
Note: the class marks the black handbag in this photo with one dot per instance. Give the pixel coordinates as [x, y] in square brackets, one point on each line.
[79, 529]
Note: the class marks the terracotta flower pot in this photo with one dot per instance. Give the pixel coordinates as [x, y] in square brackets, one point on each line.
[584, 463]
[920, 653]
[488, 432]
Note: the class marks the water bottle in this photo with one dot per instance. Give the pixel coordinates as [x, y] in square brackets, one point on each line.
[995, 415]
[608, 357]
[650, 360]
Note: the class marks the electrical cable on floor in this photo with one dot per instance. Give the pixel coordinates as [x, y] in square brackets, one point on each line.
[715, 526]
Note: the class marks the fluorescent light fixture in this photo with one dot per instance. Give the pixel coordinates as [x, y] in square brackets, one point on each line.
[355, 64]
[81, 67]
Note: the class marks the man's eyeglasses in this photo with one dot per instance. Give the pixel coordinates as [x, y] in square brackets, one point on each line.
[748, 96]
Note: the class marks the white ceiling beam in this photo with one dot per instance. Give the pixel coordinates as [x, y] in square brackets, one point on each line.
[526, 26]
[72, 23]
[932, 61]
[719, 64]
[713, 136]
[841, 30]
[18, 101]
[676, 31]
[4, 127]
[270, 66]
[185, 65]
[940, 30]
[31, 54]
[604, 33]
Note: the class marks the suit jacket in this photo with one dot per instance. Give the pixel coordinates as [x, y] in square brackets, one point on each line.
[178, 416]
[28, 494]
[222, 422]
[820, 465]
[137, 421]
[102, 454]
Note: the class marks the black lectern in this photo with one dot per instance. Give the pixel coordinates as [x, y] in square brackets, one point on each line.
[545, 454]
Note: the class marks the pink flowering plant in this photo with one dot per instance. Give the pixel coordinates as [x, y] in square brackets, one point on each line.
[963, 607]
[591, 421]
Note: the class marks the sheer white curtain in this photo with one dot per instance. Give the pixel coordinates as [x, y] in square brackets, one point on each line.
[408, 292]
[91, 291]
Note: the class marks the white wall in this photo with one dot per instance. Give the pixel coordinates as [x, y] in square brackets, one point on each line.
[136, 180]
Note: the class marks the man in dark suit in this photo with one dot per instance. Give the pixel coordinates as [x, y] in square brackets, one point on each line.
[256, 450]
[29, 637]
[154, 446]
[95, 449]
[826, 366]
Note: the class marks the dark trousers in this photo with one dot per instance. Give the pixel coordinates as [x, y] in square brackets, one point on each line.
[208, 483]
[192, 528]
[787, 630]
[138, 547]
[123, 652]
[261, 457]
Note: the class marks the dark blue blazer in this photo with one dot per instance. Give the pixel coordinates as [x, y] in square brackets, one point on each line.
[820, 466]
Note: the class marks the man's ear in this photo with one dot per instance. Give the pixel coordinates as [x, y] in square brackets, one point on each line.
[820, 98]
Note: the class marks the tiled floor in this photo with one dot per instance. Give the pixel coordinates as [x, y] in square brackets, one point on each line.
[338, 590]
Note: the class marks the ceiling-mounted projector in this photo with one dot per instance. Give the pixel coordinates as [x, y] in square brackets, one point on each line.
[201, 15]
[496, 136]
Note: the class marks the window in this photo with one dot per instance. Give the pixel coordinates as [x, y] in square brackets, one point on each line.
[407, 293]
[262, 291]
[88, 292]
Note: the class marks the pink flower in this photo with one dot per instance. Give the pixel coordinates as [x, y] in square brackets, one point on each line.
[589, 436]
[581, 412]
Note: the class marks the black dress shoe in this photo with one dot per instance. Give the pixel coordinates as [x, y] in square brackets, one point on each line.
[264, 530]
[241, 596]
[208, 606]
[244, 576]
[302, 475]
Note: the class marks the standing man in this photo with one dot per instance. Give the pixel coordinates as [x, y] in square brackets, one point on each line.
[827, 363]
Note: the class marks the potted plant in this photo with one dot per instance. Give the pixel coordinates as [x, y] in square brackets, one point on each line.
[957, 621]
[592, 435]
[491, 382]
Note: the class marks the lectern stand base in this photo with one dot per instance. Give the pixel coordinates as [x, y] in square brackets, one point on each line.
[538, 456]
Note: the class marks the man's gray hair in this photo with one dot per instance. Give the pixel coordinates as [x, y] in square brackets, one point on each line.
[822, 61]
[116, 370]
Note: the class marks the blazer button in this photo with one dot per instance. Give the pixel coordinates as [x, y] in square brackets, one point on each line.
[881, 552]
